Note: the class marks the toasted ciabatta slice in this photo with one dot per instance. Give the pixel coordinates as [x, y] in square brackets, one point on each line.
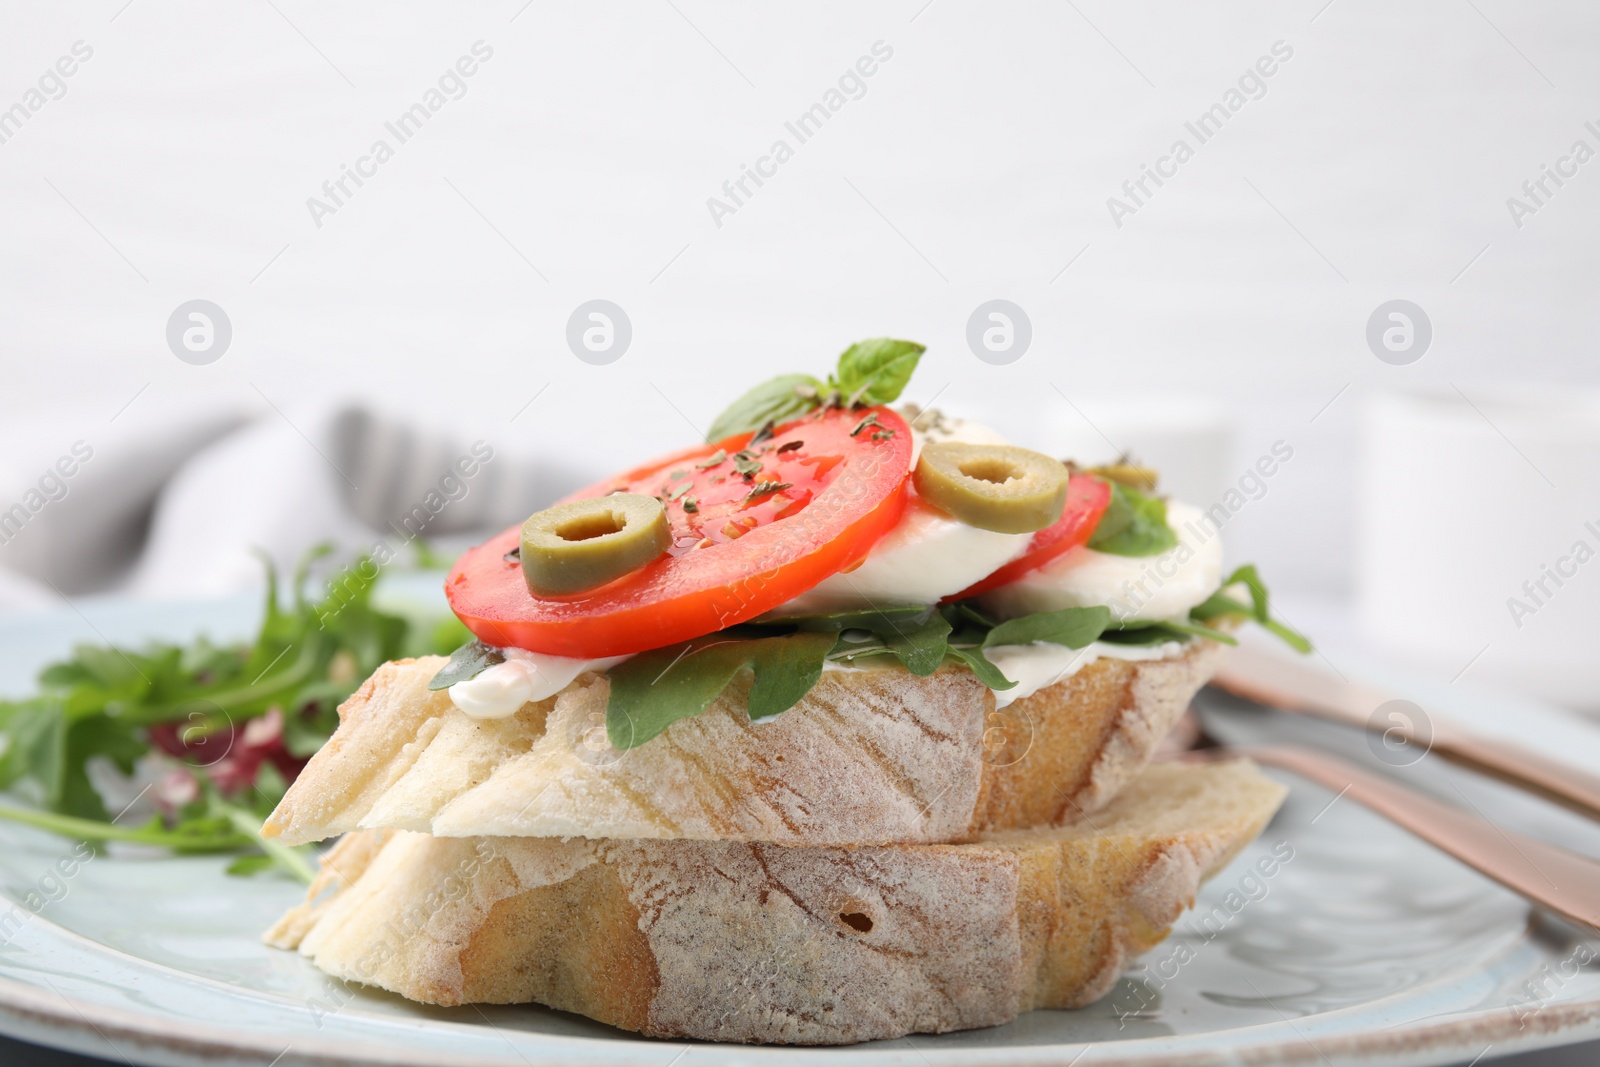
[871, 756]
[731, 941]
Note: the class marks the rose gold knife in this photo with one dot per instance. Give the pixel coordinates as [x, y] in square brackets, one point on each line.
[1298, 686]
[1546, 874]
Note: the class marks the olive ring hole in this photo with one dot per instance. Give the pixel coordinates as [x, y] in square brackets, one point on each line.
[588, 527]
[990, 469]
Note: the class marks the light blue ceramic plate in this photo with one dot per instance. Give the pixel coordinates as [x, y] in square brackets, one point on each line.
[1366, 948]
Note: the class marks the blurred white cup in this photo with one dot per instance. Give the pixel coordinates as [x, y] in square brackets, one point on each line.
[1190, 441]
[1479, 535]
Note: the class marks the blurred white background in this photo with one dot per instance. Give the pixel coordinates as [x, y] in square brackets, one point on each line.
[975, 163]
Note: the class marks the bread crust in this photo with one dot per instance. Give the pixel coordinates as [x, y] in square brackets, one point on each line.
[751, 942]
[875, 756]
[1069, 748]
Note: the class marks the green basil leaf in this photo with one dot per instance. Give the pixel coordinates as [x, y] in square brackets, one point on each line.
[778, 400]
[1133, 525]
[877, 371]
[655, 689]
[468, 661]
[1072, 627]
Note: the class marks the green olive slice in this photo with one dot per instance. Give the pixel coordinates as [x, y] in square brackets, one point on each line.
[583, 544]
[1131, 475]
[993, 487]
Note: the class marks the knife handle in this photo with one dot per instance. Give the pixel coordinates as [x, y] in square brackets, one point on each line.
[1282, 683]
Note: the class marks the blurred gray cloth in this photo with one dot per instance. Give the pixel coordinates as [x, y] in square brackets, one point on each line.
[178, 505]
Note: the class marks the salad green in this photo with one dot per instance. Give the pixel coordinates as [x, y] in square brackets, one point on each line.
[1134, 524]
[786, 655]
[220, 730]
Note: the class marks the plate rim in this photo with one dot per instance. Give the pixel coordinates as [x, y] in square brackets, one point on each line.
[30, 1014]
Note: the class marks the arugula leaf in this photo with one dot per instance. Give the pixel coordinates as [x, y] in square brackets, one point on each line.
[921, 638]
[210, 825]
[979, 664]
[1194, 629]
[655, 689]
[1072, 627]
[964, 613]
[916, 635]
[1151, 634]
[1155, 633]
[35, 734]
[786, 669]
[131, 705]
[1133, 524]
[468, 661]
[876, 372]
[785, 397]
[1221, 604]
[191, 836]
[1293, 638]
[649, 692]
[786, 654]
[279, 854]
[85, 739]
[921, 648]
[876, 620]
[248, 865]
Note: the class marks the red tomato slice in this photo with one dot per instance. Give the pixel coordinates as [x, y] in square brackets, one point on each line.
[1087, 500]
[751, 529]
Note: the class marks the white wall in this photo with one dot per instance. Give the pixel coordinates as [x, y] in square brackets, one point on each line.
[978, 163]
